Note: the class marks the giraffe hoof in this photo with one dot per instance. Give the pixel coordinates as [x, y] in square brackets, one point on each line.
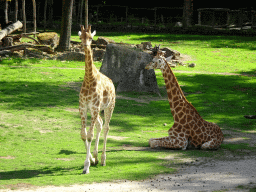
[94, 163]
[85, 172]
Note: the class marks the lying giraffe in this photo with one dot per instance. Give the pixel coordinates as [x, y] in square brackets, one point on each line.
[189, 127]
[97, 93]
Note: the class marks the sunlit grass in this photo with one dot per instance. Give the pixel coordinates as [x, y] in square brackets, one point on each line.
[220, 54]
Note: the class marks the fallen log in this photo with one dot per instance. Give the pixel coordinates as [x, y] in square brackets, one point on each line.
[43, 48]
[10, 29]
[25, 36]
[16, 38]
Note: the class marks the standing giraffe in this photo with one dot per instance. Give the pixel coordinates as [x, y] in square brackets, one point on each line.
[97, 93]
[189, 127]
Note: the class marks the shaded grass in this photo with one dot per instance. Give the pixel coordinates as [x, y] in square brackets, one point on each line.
[33, 62]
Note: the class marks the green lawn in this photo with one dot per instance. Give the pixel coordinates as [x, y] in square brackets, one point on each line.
[40, 125]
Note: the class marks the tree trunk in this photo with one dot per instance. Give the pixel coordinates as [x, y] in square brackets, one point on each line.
[187, 13]
[45, 9]
[11, 28]
[74, 15]
[86, 14]
[34, 16]
[81, 12]
[16, 11]
[6, 12]
[24, 17]
[50, 19]
[66, 24]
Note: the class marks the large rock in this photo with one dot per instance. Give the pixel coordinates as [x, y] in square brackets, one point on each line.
[72, 56]
[98, 54]
[49, 38]
[104, 41]
[169, 52]
[126, 67]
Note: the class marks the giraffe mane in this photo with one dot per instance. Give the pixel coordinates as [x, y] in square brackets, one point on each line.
[182, 94]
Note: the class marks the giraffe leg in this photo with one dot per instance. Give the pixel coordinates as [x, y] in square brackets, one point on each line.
[167, 142]
[99, 123]
[83, 113]
[87, 163]
[107, 115]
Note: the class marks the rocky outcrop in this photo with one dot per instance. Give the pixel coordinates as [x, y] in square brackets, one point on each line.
[49, 38]
[72, 56]
[126, 67]
[170, 52]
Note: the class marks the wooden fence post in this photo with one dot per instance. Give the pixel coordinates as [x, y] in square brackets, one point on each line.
[228, 18]
[253, 19]
[213, 19]
[199, 17]
[126, 15]
[155, 16]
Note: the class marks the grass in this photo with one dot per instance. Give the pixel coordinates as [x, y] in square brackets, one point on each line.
[211, 53]
[40, 125]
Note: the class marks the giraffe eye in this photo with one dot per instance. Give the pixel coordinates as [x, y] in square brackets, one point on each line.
[159, 61]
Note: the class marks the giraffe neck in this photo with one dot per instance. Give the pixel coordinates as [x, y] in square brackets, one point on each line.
[175, 94]
[90, 69]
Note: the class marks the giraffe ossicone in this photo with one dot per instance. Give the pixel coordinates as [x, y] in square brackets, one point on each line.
[189, 127]
[97, 94]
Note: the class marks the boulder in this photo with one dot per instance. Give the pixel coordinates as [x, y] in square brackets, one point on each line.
[48, 38]
[192, 65]
[126, 67]
[104, 41]
[178, 24]
[169, 52]
[144, 45]
[98, 54]
[72, 56]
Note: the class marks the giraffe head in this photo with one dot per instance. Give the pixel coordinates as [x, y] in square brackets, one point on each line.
[159, 61]
[86, 36]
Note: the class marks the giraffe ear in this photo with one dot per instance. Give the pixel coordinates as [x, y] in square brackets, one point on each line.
[169, 58]
[94, 33]
[79, 33]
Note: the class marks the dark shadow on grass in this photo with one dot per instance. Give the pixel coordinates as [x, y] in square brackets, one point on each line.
[67, 152]
[16, 61]
[251, 73]
[223, 99]
[32, 95]
[227, 97]
[112, 161]
[26, 173]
